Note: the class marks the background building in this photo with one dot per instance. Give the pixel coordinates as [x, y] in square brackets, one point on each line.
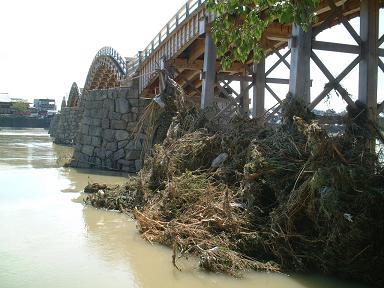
[5, 104]
[44, 104]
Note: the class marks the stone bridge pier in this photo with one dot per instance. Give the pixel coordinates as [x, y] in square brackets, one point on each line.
[106, 131]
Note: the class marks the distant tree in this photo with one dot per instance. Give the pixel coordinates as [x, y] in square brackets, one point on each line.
[20, 107]
[240, 24]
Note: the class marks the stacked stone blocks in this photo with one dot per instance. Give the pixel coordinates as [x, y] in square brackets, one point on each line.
[65, 125]
[106, 132]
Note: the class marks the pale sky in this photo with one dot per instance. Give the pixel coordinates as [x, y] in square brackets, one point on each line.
[46, 45]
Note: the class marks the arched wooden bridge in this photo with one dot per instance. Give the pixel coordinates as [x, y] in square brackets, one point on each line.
[184, 45]
[74, 95]
[107, 70]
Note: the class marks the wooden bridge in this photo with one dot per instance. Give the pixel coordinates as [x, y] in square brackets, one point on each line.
[185, 46]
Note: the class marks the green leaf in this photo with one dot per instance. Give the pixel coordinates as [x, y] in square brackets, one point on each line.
[240, 26]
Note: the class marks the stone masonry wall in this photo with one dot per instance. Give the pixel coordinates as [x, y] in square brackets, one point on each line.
[54, 124]
[64, 126]
[105, 136]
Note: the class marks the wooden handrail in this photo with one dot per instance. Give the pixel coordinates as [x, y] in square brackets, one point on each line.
[185, 11]
[109, 51]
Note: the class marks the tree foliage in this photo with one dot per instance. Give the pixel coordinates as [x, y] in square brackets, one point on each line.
[240, 24]
[20, 106]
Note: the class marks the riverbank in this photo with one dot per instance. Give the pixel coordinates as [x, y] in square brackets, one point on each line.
[241, 197]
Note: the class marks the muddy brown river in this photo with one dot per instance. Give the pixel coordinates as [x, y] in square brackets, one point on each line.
[49, 239]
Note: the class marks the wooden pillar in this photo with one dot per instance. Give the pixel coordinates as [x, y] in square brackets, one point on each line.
[300, 79]
[244, 98]
[209, 72]
[162, 75]
[368, 68]
[258, 102]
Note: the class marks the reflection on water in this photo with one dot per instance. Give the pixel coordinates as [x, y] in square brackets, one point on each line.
[24, 148]
[46, 240]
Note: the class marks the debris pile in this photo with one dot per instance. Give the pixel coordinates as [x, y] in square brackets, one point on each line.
[289, 198]
[121, 198]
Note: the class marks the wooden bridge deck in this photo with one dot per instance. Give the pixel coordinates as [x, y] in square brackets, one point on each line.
[180, 43]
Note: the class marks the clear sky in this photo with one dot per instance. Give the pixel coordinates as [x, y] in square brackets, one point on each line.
[46, 45]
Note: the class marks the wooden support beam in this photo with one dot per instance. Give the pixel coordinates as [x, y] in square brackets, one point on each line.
[209, 72]
[352, 31]
[322, 67]
[346, 24]
[381, 65]
[187, 80]
[198, 65]
[337, 12]
[274, 95]
[368, 69]
[328, 18]
[197, 49]
[227, 86]
[380, 108]
[273, 67]
[162, 81]
[258, 101]
[283, 59]
[246, 78]
[326, 5]
[186, 64]
[244, 99]
[225, 92]
[225, 76]
[274, 111]
[299, 85]
[381, 40]
[278, 81]
[236, 100]
[278, 32]
[333, 81]
[336, 47]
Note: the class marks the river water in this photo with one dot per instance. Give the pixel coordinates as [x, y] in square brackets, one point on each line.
[49, 239]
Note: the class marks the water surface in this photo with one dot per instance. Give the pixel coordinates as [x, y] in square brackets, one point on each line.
[49, 239]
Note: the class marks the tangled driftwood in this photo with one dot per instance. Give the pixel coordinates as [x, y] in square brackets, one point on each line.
[291, 198]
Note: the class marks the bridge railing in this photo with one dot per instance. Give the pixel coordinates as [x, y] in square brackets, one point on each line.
[132, 65]
[128, 68]
[119, 64]
[176, 21]
[172, 24]
[109, 51]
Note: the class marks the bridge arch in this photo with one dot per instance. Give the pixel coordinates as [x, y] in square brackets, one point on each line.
[74, 96]
[106, 71]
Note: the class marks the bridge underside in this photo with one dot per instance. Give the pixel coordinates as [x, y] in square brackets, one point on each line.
[185, 48]
[104, 77]
[191, 65]
[107, 70]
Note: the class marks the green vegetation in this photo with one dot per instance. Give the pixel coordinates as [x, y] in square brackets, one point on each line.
[20, 107]
[239, 27]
